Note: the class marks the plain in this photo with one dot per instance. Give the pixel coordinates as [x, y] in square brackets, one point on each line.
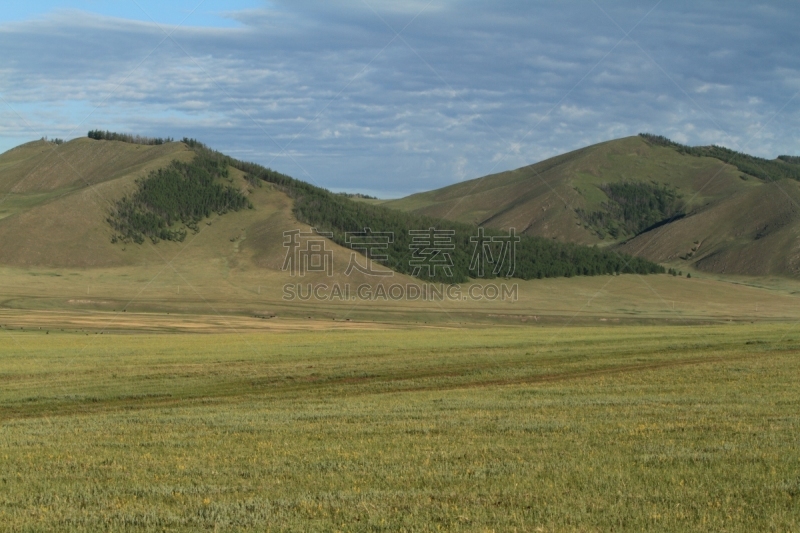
[418, 429]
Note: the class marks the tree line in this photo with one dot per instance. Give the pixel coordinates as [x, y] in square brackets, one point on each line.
[101, 135]
[763, 169]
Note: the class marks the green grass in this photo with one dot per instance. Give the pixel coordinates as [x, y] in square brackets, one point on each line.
[552, 429]
[11, 204]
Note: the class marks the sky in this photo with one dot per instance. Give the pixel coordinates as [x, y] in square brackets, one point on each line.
[389, 98]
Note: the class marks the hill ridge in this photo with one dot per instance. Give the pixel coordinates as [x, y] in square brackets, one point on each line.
[714, 182]
[69, 227]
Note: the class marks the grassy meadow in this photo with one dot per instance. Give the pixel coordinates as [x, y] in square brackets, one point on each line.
[623, 428]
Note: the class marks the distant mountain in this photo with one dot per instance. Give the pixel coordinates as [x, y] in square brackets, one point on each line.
[703, 207]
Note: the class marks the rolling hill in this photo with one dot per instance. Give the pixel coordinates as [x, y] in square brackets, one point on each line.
[60, 198]
[658, 200]
[55, 197]
[60, 266]
[629, 197]
[55, 201]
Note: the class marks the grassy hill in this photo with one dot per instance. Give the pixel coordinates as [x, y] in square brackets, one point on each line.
[59, 198]
[533, 256]
[52, 198]
[657, 200]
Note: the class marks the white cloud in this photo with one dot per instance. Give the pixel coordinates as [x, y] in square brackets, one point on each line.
[706, 87]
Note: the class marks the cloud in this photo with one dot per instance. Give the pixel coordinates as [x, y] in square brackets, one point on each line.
[706, 87]
[328, 92]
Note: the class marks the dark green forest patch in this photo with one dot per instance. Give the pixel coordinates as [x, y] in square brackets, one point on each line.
[633, 207]
[100, 135]
[173, 199]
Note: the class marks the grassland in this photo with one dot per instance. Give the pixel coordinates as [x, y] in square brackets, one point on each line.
[515, 428]
[186, 294]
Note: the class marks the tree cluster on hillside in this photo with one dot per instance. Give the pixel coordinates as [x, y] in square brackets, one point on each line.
[764, 169]
[172, 199]
[357, 195]
[674, 272]
[535, 257]
[633, 207]
[792, 159]
[101, 135]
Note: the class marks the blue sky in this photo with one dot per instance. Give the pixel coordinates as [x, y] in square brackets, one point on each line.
[210, 13]
[391, 98]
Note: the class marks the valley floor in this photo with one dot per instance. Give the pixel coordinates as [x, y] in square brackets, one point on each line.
[198, 299]
[550, 428]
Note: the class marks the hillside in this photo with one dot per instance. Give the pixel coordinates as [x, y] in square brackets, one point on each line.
[693, 211]
[58, 264]
[422, 240]
[55, 197]
[58, 200]
[94, 202]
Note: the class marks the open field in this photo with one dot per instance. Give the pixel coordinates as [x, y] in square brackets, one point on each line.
[508, 428]
[188, 295]
[194, 299]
